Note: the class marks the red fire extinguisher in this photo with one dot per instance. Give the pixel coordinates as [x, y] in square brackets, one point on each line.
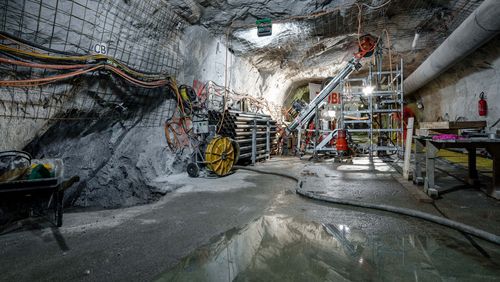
[482, 105]
[341, 145]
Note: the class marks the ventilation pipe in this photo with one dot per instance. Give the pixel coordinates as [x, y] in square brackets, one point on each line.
[482, 25]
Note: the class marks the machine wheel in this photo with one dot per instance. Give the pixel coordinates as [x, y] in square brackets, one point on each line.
[193, 170]
[220, 155]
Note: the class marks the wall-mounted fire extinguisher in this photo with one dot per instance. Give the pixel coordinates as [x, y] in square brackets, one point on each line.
[482, 105]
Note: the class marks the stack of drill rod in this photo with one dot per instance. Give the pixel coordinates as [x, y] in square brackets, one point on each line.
[239, 126]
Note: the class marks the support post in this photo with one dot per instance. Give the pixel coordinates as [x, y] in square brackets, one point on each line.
[401, 93]
[254, 142]
[268, 140]
[430, 165]
[299, 134]
[494, 188]
[407, 156]
[316, 132]
[472, 178]
[419, 152]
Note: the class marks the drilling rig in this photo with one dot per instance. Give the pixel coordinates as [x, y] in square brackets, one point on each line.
[367, 45]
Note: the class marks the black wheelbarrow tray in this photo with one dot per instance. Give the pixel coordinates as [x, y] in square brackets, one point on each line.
[43, 189]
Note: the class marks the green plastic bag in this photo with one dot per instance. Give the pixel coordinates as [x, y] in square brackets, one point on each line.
[39, 172]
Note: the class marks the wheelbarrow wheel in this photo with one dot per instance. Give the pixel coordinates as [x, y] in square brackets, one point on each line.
[193, 170]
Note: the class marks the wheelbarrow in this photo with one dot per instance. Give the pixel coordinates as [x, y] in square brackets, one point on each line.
[32, 192]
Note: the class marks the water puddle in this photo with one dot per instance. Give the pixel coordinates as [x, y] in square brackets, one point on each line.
[279, 248]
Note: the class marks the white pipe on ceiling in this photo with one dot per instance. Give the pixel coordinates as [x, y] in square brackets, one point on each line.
[481, 26]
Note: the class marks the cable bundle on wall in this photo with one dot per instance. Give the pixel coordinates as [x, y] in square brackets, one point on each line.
[81, 64]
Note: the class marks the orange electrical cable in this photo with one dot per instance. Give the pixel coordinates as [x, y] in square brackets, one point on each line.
[179, 97]
[81, 58]
[44, 66]
[46, 56]
[45, 80]
[219, 125]
[389, 48]
[172, 141]
[51, 79]
[360, 16]
[136, 81]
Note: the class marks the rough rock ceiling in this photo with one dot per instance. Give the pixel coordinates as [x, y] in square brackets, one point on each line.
[316, 33]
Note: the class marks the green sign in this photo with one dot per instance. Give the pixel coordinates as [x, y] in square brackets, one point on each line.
[264, 27]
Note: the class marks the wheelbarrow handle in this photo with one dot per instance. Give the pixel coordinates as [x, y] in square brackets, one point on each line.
[69, 182]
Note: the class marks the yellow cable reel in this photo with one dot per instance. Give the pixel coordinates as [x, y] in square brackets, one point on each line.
[220, 155]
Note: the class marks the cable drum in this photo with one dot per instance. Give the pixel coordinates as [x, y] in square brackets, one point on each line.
[220, 155]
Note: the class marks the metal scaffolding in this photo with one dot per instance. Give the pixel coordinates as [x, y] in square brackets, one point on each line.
[372, 110]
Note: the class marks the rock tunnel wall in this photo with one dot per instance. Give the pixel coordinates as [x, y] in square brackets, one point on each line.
[455, 94]
[141, 34]
[205, 58]
[107, 131]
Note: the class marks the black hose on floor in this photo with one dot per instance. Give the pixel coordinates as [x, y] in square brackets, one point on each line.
[398, 210]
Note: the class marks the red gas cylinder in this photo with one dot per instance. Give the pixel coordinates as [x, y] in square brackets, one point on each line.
[342, 141]
[482, 105]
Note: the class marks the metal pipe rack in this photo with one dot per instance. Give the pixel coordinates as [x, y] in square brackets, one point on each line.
[253, 132]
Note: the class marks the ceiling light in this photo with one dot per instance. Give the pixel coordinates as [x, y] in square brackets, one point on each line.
[415, 39]
[368, 90]
[331, 113]
[282, 32]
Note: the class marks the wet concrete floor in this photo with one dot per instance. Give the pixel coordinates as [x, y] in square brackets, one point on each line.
[252, 227]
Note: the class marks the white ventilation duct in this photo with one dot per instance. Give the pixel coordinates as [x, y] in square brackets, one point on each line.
[482, 25]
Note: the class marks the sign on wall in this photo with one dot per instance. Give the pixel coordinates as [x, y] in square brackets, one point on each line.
[100, 48]
[334, 98]
[264, 27]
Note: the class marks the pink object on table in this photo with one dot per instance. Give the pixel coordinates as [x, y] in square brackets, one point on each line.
[446, 137]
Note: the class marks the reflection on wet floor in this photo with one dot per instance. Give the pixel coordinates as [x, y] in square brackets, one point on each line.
[279, 248]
